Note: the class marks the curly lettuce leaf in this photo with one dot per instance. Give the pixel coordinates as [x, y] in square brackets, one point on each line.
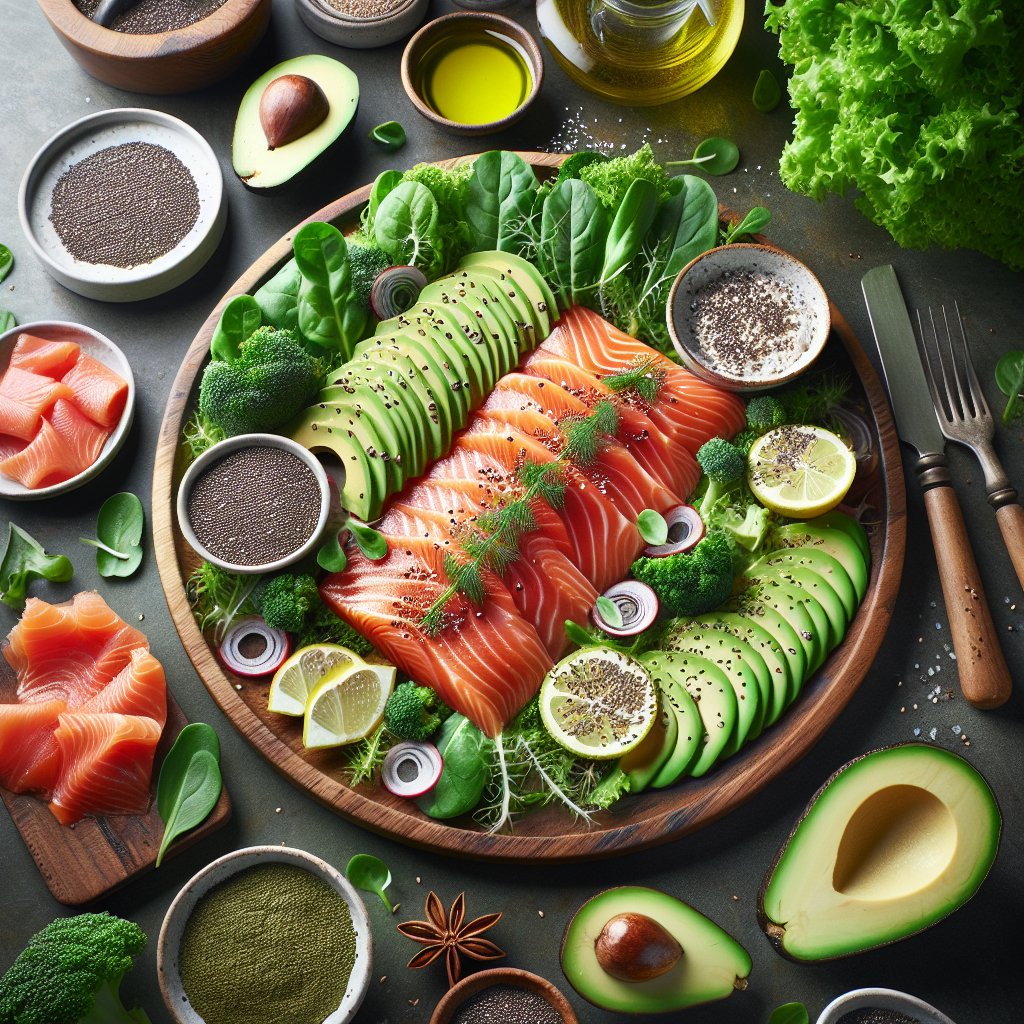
[917, 105]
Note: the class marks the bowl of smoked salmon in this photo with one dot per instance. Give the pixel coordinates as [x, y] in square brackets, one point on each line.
[67, 398]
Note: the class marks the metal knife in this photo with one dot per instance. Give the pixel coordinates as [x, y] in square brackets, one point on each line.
[984, 676]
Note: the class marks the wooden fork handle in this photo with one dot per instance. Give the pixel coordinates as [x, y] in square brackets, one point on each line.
[1010, 518]
[984, 676]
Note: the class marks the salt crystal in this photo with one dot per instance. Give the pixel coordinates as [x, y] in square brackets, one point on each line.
[933, 732]
[956, 730]
[917, 732]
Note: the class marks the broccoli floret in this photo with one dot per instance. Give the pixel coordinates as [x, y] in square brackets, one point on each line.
[324, 627]
[691, 582]
[271, 381]
[765, 413]
[611, 179]
[71, 971]
[723, 465]
[285, 601]
[744, 441]
[414, 712]
[366, 261]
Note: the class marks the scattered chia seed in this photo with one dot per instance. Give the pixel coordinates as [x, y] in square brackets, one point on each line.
[151, 16]
[254, 506]
[124, 205]
[506, 1004]
[873, 1015]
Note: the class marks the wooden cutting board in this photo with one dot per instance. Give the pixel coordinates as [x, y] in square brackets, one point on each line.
[87, 860]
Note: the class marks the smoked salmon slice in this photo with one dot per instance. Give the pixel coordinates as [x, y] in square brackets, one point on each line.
[486, 662]
[49, 358]
[84, 437]
[140, 688]
[98, 391]
[69, 651]
[106, 764]
[29, 758]
[47, 459]
[24, 397]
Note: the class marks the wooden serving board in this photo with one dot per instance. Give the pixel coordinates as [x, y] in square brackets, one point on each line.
[82, 862]
[549, 834]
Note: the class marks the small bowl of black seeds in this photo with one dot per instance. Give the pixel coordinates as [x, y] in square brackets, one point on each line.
[504, 995]
[880, 1006]
[747, 317]
[255, 503]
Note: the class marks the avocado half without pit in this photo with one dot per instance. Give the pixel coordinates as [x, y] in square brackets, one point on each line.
[289, 116]
[638, 950]
[892, 843]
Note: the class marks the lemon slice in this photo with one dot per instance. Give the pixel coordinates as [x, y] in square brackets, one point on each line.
[347, 704]
[800, 471]
[296, 679]
[598, 703]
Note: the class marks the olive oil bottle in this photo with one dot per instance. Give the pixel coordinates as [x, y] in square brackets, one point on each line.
[641, 52]
[473, 75]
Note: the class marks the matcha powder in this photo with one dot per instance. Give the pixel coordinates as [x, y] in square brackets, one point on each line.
[272, 945]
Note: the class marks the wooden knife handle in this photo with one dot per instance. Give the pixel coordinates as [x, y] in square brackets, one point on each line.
[984, 676]
[1011, 524]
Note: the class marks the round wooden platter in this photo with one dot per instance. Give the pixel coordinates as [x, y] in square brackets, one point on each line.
[550, 834]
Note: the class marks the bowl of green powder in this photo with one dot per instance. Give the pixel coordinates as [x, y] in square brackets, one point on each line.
[265, 935]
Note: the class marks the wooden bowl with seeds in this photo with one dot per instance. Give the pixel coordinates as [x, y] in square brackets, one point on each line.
[497, 993]
[160, 59]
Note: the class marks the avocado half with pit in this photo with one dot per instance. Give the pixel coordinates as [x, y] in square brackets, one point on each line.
[637, 950]
[894, 841]
[289, 116]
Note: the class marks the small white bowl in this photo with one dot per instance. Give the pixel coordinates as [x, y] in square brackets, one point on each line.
[223, 868]
[99, 131]
[786, 272]
[104, 351]
[361, 33]
[233, 444]
[882, 999]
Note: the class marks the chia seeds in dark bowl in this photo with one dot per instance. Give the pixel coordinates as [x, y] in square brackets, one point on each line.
[503, 995]
[254, 503]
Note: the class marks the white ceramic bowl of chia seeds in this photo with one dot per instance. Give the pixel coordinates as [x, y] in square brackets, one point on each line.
[170, 960]
[163, 166]
[312, 498]
[361, 24]
[885, 1000]
[747, 317]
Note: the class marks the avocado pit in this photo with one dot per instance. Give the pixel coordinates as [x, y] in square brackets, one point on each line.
[291, 106]
[634, 947]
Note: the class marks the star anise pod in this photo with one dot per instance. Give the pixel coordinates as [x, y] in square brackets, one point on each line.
[451, 936]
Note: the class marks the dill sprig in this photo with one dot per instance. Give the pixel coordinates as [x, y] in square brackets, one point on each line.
[643, 378]
[493, 542]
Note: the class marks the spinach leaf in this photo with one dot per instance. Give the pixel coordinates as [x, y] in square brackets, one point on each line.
[384, 184]
[756, 219]
[7, 321]
[390, 135]
[329, 315]
[789, 1013]
[715, 156]
[609, 611]
[632, 221]
[370, 874]
[405, 226]
[371, 543]
[240, 317]
[194, 737]
[118, 535]
[331, 556]
[25, 560]
[767, 92]
[191, 794]
[573, 228]
[652, 526]
[6, 261]
[1010, 379]
[501, 191]
[467, 755]
[687, 225]
[279, 298]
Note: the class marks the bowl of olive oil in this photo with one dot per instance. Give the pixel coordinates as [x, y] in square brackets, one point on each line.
[472, 73]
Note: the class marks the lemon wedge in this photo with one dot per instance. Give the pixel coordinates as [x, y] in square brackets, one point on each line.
[299, 676]
[347, 704]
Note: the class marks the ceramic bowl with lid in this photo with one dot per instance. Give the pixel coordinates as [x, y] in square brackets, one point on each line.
[747, 317]
[168, 950]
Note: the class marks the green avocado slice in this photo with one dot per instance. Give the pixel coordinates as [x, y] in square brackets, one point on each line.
[837, 543]
[893, 842]
[690, 734]
[642, 763]
[821, 562]
[818, 590]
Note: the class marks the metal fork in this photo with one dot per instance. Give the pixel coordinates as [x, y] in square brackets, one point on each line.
[964, 417]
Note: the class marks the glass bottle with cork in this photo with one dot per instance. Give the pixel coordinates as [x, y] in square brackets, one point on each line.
[641, 52]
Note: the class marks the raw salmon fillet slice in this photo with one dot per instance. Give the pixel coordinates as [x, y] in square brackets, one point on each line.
[106, 765]
[10, 446]
[29, 758]
[69, 651]
[84, 437]
[140, 688]
[47, 459]
[49, 358]
[486, 662]
[98, 391]
[24, 397]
